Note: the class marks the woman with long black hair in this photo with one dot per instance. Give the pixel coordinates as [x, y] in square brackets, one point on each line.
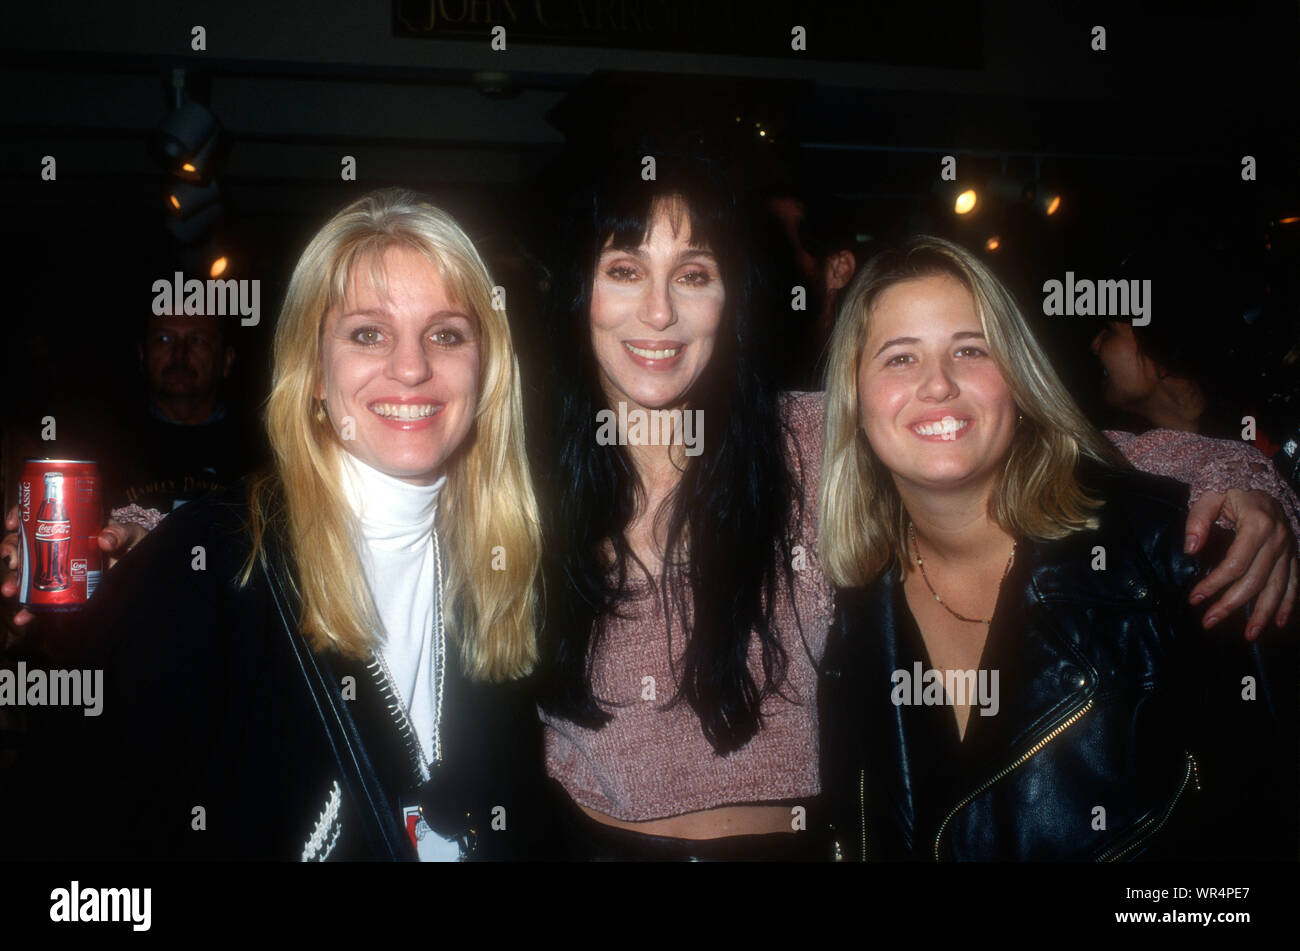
[681, 572]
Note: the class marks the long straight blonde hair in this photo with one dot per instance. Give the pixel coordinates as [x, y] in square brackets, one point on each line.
[1038, 494]
[487, 512]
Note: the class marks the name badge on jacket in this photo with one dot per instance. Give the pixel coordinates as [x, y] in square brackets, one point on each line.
[430, 846]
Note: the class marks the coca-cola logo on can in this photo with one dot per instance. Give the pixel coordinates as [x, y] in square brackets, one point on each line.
[60, 516]
[53, 531]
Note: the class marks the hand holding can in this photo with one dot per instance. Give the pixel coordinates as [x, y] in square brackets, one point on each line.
[115, 539]
[60, 511]
[11, 554]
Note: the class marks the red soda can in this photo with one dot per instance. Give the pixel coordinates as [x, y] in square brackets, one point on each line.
[60, 513]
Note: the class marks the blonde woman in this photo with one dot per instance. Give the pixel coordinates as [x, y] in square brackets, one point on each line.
[1015, 670]
[325, 664]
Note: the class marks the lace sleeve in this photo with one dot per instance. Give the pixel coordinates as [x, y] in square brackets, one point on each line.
[148, 518]
[1207, 465]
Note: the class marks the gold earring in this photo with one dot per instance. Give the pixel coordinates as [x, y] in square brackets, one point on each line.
[321, 414]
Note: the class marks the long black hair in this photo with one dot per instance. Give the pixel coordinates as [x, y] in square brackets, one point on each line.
[730, 512]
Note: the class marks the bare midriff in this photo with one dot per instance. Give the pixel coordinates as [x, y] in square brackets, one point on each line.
[707, 823]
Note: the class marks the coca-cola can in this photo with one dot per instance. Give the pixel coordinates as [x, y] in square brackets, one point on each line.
[60, 514]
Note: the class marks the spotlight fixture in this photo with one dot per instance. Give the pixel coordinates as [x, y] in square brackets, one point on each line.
[960, 198]
[1044, 200]
[187, 200]
[195, 210]
[993, 243]
[207, 259]
[187, 141]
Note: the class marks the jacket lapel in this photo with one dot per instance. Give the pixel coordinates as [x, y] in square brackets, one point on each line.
[1042, 675]
[354, 749]
[872, 632]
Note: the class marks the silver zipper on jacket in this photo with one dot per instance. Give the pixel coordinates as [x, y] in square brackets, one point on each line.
[397, 711]
[384, 679]
[1020, 761]
[1155, 823]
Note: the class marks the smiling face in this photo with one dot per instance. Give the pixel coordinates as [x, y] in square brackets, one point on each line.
[403, 366]
[932, 402]
[655, 314]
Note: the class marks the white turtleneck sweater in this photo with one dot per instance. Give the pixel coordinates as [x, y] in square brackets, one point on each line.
[396, 520]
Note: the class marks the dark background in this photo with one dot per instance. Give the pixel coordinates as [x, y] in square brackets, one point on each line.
[1146, 136]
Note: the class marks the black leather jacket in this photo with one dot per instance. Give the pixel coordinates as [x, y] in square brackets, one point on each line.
[1120, 733]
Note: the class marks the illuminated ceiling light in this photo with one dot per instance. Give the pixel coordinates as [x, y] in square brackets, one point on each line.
[186, 142]
[189, 199]
[965, 202]
[195, 210]
[1288, 221]
[1040, 197]
[1046, 201]
[207, 258]
[762, 132]
[993, 243]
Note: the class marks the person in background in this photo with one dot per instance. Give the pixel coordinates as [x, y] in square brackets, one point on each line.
[1180, 384]
[819, 245]
[187, 441]
[1189, 365]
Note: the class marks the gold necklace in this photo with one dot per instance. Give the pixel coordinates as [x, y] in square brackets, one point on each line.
[920, 563]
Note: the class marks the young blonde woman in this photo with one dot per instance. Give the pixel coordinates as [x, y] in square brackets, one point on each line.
[325, 664]
[1015, 670]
